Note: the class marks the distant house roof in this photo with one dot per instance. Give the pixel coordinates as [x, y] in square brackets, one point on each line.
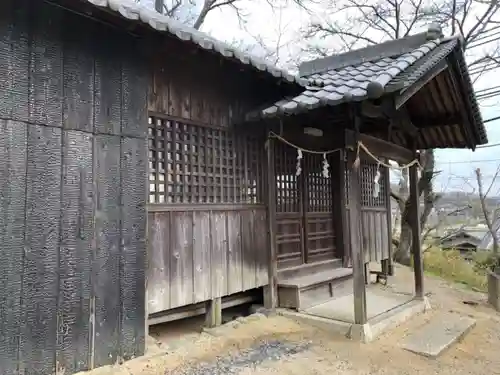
[461, 239]
[133, 11]
[374, 71]
[463, 233]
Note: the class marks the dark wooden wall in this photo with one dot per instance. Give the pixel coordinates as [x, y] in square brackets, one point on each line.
[375, 213]
[197, 255]
[202, 88]
[73, 99]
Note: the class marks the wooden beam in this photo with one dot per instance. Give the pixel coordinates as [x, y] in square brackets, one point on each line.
[403, 121]
[339, 205]
[357, 248]
[387, 266]
[214, 313]
[387, 110]
[418, 266]
[379, 147]
[270, 291]
[198, 309]
[464, 101]
[294, 133]
[371, 110]
[423, 122]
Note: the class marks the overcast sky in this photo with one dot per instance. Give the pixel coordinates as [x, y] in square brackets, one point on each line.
[457, 165]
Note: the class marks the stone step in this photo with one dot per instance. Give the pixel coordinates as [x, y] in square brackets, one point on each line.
[308, 268]
[439, 334]
[304, 291]
[306, 281]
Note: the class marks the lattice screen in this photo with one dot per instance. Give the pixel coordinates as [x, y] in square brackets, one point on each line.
[368, 172]
[319, 188]
[367, 176]
[196, 164]
[287, 190]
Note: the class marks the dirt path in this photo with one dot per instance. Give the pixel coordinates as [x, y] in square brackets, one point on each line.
[277, 345]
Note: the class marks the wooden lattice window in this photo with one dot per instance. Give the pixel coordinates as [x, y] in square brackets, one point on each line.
[287, 184]
[367, 174]
[196, 164]
[319, 188]
[347, 182]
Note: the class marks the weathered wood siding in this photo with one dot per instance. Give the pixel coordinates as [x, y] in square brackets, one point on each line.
[208, 231]
[374, 234]
[202, 88]
[73, 100]
[198, 255]
[374, 214]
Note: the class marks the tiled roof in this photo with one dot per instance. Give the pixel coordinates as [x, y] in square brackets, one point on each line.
[133, 11]
[364, 78]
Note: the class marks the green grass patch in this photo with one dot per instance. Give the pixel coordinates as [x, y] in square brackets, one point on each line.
[451, 266]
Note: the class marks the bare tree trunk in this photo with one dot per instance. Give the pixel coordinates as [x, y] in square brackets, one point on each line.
[159, 6]
[486, 213]
[403, 252]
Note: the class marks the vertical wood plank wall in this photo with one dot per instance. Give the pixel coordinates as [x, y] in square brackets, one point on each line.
[211, 242]
[199, 255]
[203, 89]
[73, 99]
[375, 220]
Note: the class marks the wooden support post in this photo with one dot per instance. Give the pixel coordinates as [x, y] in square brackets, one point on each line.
[415, 227]
[214, 313]
[146, 315]
[357, 251]
[270, 291]
[387, 266]
[339, 207]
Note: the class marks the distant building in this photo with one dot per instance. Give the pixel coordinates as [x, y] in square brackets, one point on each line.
[468, 240]
[463, 241]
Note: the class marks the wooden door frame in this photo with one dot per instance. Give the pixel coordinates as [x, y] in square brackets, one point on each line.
[303, 190]
[304, 185]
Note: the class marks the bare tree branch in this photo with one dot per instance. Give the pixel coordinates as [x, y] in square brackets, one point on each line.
[195, 12]
[486, 213]
[354, 23]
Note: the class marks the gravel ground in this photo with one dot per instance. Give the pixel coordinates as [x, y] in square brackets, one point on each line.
[248, 359]
[277, 345]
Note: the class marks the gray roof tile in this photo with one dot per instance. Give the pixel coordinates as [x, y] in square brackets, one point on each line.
[133, 11]
[347, 83]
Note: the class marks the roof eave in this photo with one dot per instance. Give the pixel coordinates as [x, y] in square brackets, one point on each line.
[458, 64]
[134, 12]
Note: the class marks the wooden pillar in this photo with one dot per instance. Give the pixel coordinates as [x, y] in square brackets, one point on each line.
[357, 251]
[214, 313]
[339, 204]
[387, 266]
[415, 227]
[270, 291]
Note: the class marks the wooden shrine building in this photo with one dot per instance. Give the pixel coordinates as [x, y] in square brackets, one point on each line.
[150, 172]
